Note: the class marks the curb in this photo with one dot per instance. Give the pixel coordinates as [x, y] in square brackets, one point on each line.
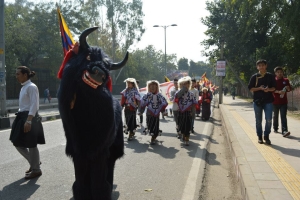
[250, 190]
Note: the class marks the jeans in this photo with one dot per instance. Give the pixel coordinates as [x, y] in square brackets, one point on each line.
[258, 110]
[283, 110]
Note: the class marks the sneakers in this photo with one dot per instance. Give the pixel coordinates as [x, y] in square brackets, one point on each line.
[267, 140]
[286, 133]
[260, 140]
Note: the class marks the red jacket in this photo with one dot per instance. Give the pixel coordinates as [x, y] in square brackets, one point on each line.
[280, 84]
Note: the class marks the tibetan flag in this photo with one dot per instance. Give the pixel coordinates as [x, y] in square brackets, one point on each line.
[204, 79]
[167, 79]
[66, 37]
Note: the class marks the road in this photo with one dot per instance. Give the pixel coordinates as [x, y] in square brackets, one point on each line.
[165, 171]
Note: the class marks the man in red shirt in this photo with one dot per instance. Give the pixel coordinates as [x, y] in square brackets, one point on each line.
[280, 101]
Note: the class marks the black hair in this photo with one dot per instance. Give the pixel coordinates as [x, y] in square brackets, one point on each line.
[26, 70]
[138, 82]
[261, 61]
[175, 79]
[194, 80]
[278, 68]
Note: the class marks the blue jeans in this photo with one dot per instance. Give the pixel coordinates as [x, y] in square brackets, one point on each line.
[268, 110]
[283, 110]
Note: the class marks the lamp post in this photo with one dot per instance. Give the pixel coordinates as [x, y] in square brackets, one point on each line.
[165, 28]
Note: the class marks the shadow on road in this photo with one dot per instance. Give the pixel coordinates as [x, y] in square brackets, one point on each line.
[287, 151]
[20, 189]
[158, 148]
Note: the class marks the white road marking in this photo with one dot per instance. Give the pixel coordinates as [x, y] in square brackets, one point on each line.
[190, 186]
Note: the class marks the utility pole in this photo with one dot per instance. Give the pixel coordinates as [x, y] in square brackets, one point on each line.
[165, 27]
[4, 120]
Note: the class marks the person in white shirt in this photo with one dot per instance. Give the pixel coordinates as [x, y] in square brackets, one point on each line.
[27, 130]
[175, 105]
[195, 91]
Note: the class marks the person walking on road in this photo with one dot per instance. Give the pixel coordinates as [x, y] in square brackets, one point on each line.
[206, 102]
[281, 101]
[47, 95]
[141, 116]
[262, 84]
[27, 130]
[156, 104]
[130, 100]
[175, 105]
[185, 100]
[232, 91]
[195, 91]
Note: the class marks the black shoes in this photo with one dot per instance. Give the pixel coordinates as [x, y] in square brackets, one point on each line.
[276, 131]
[267, 140]
[260, 140]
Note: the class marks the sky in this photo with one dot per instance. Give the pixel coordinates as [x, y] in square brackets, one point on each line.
[183, 39]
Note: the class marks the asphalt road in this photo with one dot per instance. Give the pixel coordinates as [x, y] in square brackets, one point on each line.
[165, 171]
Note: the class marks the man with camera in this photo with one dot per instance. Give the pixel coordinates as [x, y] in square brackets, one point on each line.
[262, 84]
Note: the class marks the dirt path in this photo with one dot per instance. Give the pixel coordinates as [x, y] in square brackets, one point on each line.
[219, 181]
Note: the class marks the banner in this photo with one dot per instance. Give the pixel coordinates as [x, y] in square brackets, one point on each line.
[177, 74]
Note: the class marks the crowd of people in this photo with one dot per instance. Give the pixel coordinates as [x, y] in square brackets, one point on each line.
[188, 99]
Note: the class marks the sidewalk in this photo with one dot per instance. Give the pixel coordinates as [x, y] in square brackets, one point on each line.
[264, 172]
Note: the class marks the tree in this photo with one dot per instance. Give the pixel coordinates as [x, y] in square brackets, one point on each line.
[183, 64]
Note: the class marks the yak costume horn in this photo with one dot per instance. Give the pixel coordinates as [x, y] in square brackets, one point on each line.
[115, 66]
[82, 39]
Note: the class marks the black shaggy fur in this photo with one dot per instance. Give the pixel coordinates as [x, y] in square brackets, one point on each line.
[93, 128]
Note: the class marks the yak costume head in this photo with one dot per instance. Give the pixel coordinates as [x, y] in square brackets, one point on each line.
[91, 62]
[155, 82]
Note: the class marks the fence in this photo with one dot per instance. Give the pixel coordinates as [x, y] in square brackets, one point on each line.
[42, 79]
[293, 96]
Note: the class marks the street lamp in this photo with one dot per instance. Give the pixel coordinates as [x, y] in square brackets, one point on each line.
[165, 28]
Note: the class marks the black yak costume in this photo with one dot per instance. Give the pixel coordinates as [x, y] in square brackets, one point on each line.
[91, 119]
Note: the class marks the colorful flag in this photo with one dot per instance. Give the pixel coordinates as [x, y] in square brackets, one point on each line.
[204, 79]
[66, 37]
[167, 79]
